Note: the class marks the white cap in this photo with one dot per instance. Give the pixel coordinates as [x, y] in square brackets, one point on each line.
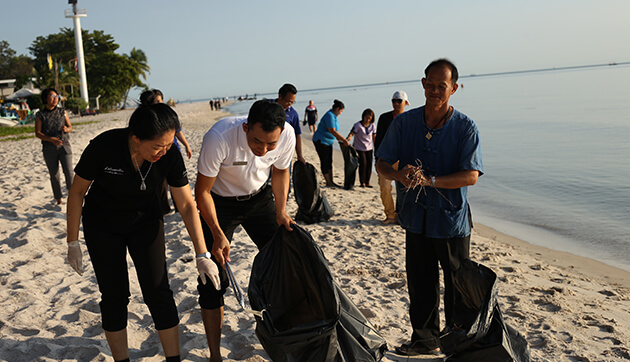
[400, 95]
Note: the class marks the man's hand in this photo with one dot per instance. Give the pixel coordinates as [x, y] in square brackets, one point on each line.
[221, 249]
[301, 159]
[207, 267]
[285, 220]
[412, 177]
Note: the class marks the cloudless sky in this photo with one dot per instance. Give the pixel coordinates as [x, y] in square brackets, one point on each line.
[205, 48]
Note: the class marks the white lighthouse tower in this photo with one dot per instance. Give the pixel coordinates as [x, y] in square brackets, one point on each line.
[76, 14]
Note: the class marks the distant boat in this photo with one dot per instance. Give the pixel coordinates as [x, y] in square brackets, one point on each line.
[8, 122]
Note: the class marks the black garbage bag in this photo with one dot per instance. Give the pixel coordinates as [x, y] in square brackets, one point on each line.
[350, 165]
[306, 316]
[313, 207]
[478, 331]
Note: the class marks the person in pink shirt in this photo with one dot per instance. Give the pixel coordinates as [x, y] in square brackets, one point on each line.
[365, 132]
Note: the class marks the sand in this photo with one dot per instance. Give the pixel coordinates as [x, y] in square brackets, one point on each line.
[569, 308]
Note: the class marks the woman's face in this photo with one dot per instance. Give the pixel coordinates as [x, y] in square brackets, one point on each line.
[367, 119]
[153, 150]
[337, 111]
[52, 100]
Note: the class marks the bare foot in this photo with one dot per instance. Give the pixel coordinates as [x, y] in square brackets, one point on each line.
[59, 202]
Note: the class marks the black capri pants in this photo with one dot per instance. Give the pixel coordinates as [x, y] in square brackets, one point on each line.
[108, 252]
[257, 216]
[325, 154]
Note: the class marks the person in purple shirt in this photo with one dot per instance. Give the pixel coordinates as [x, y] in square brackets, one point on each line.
[365, 132]
[286, 98]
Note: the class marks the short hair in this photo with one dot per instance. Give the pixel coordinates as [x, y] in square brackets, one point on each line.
[268, 113]
[337, 104]
[287, 88]
[445, 63]
[148, 96]
[151, 121]
[46, 92]
[368, 112]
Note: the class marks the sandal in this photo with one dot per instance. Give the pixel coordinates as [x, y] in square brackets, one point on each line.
[415, 349]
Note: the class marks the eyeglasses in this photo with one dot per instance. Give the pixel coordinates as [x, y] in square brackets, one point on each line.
[397, 101]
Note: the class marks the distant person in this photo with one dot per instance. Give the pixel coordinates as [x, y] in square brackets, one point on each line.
[156, 96]
[324, 138]
[211, 102]
[399, 101]
[311, 116]
[286, 98]
[237, 156]
[365, 133]
[123, 169]
[432, 199]
[52, 126]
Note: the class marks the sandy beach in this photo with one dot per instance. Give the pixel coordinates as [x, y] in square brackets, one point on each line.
[569, 308]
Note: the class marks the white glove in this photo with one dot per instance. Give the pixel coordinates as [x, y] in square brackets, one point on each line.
[75, 256]
[207, 267]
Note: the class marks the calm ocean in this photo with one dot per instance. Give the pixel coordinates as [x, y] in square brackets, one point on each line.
[554, 148]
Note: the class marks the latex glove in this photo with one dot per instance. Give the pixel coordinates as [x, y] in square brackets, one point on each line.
[207, 267]
[75, 256]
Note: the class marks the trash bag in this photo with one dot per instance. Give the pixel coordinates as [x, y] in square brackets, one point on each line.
[305, 315]
[350, 165]
[313, 207]
[478, 331]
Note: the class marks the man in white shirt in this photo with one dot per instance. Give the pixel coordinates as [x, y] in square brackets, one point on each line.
[236, 157]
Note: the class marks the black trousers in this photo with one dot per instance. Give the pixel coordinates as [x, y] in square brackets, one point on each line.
[422, 257]
[365, 166]
[53, 156]
[257, 216]
[325, 154]
[108, 252]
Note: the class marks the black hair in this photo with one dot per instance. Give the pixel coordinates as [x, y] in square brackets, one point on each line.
[148, 96]
[287, 88]
[445, 63]
[268, 113]
[337, 104]
[368, 111]
[45, 94]
[152, 121]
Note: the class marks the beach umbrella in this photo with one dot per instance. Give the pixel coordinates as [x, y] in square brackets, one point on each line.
[23, 93]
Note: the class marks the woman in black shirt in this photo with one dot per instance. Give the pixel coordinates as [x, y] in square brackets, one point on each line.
[123, 170]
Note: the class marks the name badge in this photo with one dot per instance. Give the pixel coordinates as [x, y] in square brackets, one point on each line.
[239, 163]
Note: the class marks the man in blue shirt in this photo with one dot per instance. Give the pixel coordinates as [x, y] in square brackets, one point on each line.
[286, 98]
[439, 155]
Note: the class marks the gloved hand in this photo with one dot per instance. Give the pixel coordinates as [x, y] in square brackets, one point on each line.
[207, 267]
[75, 256]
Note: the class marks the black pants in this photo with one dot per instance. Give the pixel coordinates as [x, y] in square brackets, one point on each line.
[257, 216]
[325, 154]
[108, 252]
[422, 257]
[365, 166]
[53, 156]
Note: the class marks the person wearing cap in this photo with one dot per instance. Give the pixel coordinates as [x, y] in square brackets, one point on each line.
[399, 102]
[236, 157]
[439, 155]
[286, 98]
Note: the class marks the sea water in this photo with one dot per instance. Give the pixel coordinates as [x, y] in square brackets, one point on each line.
[555, 150]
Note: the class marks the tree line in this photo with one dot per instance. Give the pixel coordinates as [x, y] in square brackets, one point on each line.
[53, 63]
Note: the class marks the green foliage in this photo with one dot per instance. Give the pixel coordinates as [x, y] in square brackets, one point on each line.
[35, 102]
[75, 104]
[109, 74]
[14, 67]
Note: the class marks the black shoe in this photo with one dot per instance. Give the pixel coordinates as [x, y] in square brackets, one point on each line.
[415, 349]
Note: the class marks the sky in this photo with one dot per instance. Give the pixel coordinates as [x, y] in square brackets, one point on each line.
[199, 49]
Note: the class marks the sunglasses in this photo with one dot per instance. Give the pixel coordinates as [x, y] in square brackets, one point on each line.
[397, 101]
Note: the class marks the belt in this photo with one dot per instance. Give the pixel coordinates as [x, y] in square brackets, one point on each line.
[243, 197]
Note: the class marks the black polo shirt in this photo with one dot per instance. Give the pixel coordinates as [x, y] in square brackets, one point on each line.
[114, 198]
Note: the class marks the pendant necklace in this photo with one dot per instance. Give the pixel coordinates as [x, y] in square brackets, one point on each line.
[430, 131]
[143, 186]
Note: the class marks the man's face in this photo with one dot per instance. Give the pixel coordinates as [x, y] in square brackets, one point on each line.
[438, 87]
[259, 141]
[287, 100]
[399, 105]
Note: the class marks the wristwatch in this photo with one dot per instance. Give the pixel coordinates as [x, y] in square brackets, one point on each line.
[205, 255]
[432, 181]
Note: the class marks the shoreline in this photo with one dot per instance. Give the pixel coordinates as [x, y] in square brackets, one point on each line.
[568, 307]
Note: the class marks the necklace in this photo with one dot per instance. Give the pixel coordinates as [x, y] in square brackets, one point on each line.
[143, 186]
[431, 130]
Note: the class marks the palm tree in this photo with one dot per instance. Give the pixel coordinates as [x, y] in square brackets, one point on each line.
[141, 68]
